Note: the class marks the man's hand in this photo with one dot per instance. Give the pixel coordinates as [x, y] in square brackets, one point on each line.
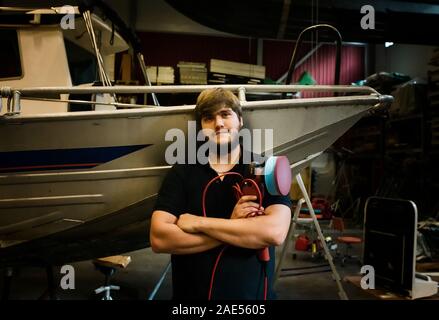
[246, 208]
[188, 222]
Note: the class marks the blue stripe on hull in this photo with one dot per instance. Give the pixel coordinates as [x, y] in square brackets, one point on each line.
[56, 159]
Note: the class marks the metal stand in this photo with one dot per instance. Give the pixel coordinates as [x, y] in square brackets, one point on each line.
[107, 290]
[107, 287]
[296, 168]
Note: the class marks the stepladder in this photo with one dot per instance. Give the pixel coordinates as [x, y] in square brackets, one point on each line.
[296, 168]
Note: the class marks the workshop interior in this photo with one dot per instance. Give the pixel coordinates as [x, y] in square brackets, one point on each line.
[348, 90]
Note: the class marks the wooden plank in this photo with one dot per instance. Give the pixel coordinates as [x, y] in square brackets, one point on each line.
[236, 68]
[114, 261]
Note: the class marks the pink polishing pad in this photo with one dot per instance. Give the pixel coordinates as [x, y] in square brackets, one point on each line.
[277, 173]
[282, 174]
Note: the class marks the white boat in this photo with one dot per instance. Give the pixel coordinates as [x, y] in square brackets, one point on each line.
[80, 185]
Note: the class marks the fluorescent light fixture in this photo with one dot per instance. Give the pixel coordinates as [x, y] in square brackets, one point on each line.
[388, 44]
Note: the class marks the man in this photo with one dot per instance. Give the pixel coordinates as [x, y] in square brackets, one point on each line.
[195, 242]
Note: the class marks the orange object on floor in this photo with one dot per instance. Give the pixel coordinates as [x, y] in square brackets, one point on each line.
[348, 241]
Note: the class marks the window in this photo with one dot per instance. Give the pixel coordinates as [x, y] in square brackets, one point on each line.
[9, 55]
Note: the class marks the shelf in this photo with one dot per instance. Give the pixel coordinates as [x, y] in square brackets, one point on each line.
[406, 150]
[365, 156]
[406, 118]
[366, 135]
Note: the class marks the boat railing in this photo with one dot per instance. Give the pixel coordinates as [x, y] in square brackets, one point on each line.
[314, 28]
[352, 94]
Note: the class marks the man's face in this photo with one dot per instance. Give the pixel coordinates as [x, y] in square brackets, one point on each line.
[221, 127]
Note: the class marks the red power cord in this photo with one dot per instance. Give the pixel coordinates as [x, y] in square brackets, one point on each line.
[263, 254]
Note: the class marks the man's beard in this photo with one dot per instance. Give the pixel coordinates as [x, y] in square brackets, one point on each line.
[225, 148]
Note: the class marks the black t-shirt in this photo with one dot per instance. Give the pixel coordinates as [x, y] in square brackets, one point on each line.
[240, 274]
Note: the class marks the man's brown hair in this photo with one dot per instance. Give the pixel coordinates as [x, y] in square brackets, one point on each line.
[211, 100]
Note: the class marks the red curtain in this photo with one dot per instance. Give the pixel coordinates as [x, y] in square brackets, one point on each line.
[321, 65]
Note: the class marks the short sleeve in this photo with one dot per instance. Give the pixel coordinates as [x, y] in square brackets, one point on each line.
[269, 200]
[172, 195]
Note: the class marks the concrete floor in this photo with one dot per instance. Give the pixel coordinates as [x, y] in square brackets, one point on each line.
[139, 278]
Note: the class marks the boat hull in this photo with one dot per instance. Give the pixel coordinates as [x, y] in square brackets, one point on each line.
[95, 194]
